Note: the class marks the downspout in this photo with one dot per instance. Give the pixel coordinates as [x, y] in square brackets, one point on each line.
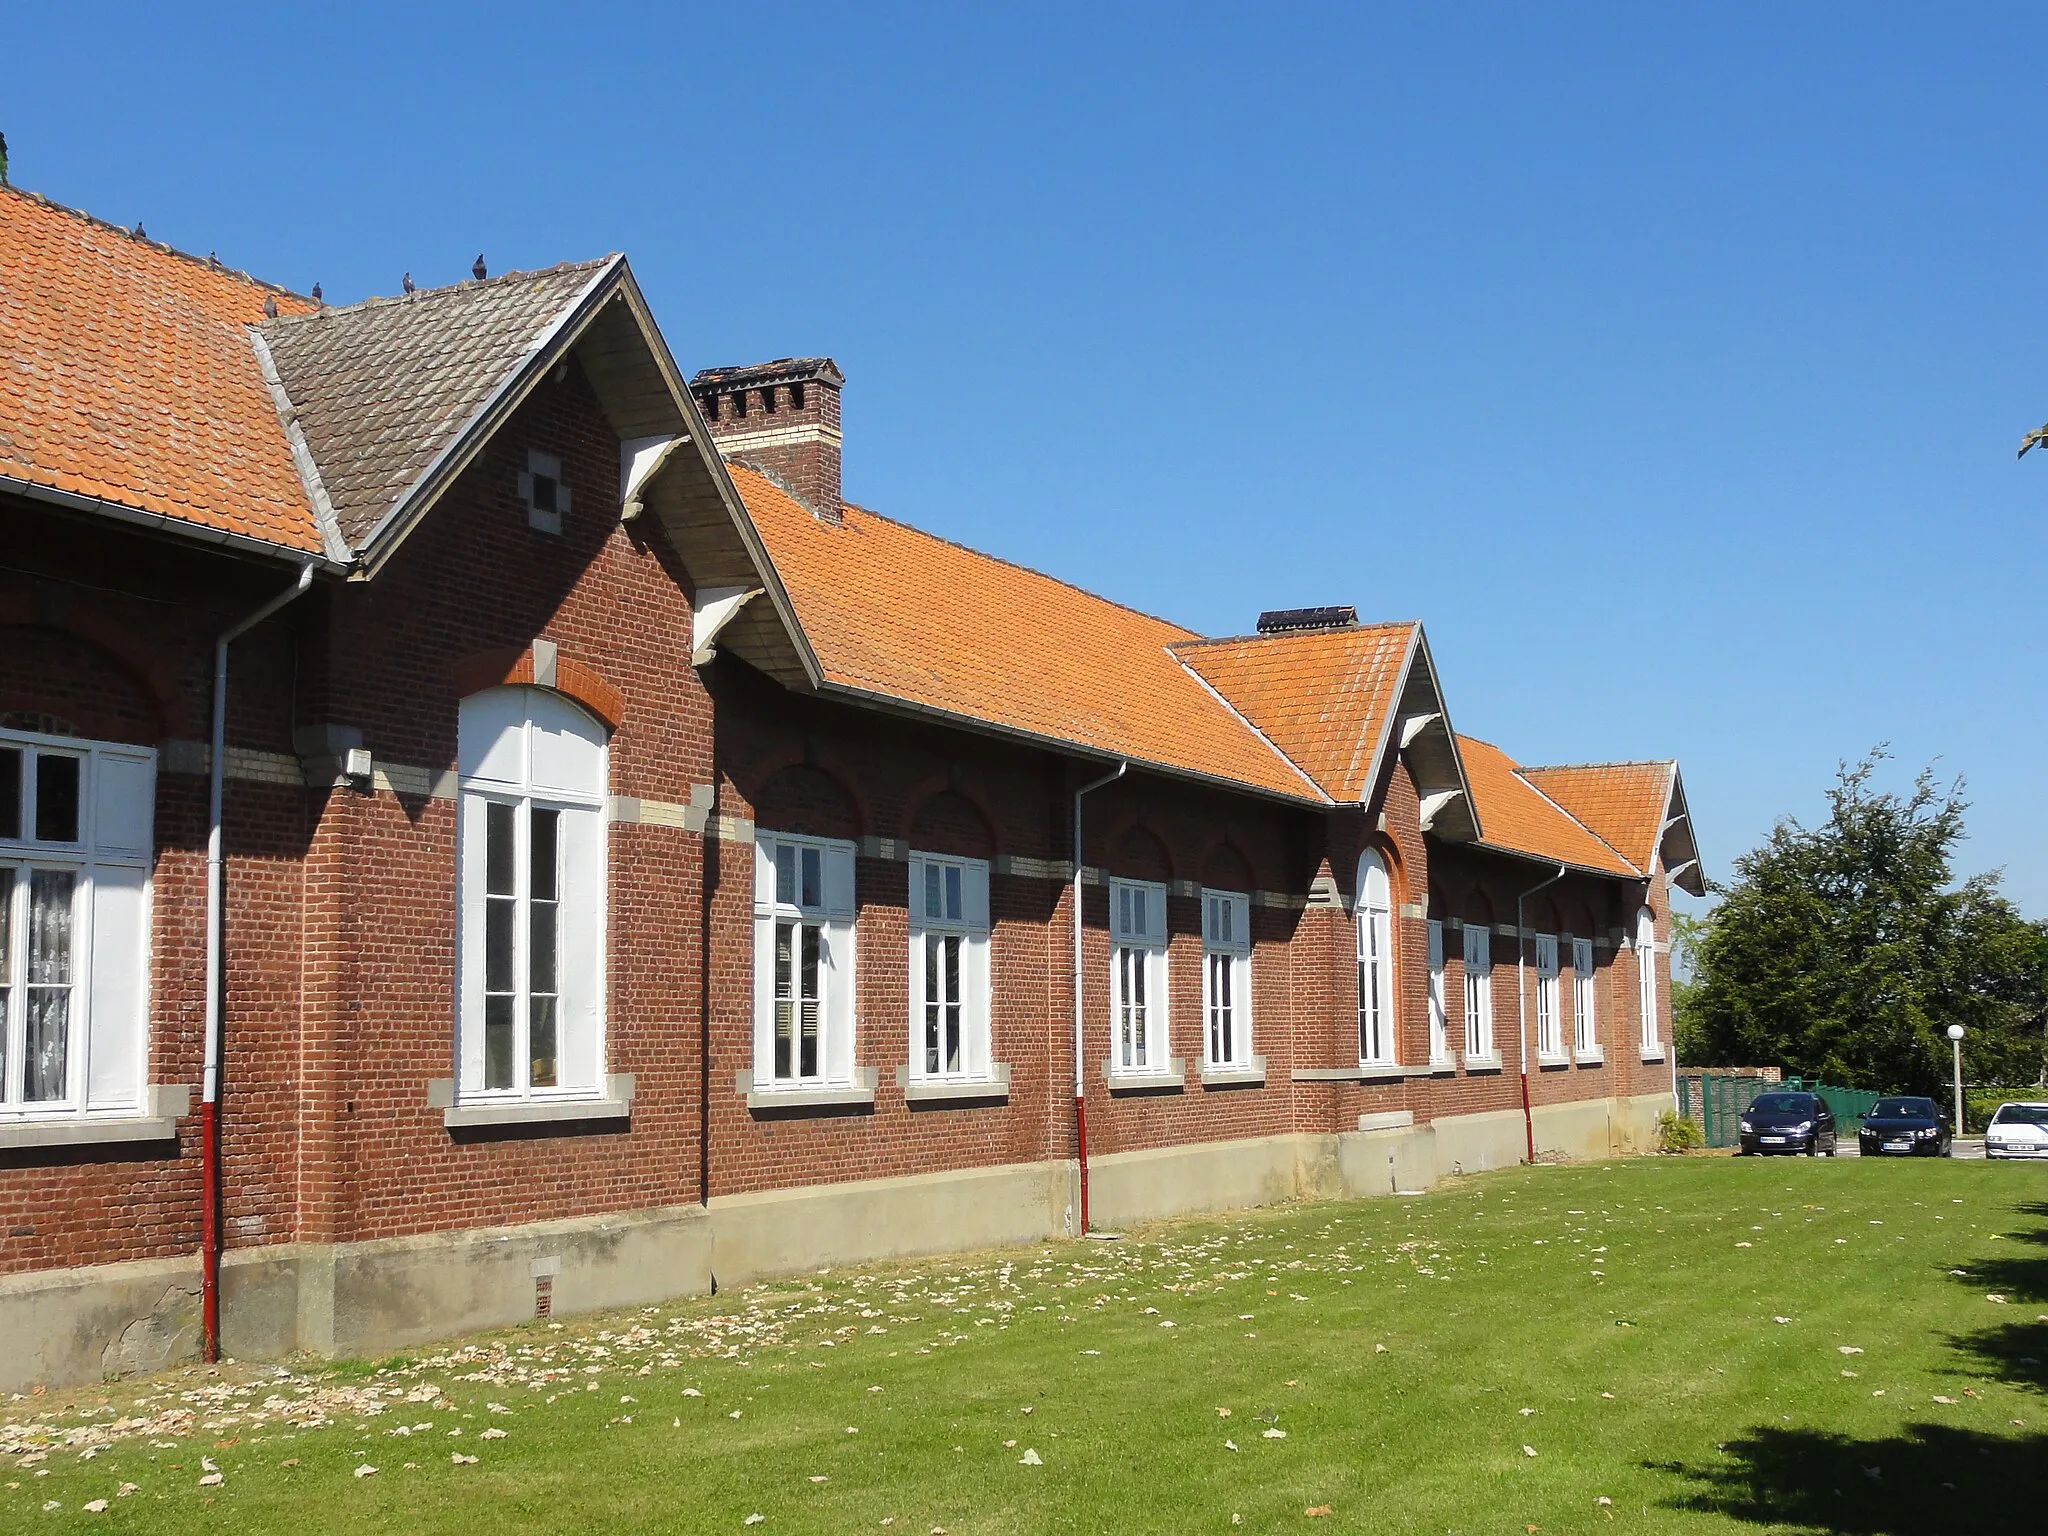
[1080, 1070]
[209, 1092]
[1522, 1001]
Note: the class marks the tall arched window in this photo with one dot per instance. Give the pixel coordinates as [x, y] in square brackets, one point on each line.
[1646, 979]
[530, 885]
[1375, 962]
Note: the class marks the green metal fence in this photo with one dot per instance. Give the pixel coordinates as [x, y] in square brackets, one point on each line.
[1715, 1101]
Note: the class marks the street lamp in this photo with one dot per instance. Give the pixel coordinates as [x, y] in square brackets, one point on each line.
[1955, 1040]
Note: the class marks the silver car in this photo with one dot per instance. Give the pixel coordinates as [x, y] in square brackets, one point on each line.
[2018, 1130]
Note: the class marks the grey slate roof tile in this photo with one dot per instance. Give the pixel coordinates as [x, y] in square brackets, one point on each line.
[382, 387]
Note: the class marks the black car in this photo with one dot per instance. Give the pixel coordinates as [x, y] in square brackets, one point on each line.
[1788, 1122]
[1905, 1127]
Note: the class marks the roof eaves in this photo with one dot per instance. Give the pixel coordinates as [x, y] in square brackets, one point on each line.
[721, 479]
[163, 522]
[1471, 801]
[331, 539]
[1299, 772]
[896, 705]
[1376, 761]
[556, 336]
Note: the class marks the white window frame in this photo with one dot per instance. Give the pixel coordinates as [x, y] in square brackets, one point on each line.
[1585, 1023]
[949, 909]
[107, 964]
[1226, 980]
[1549, 1023]
[1479, 1043]
[532, 753]
[785, 897]
[1378, 1032]
[1138, 1040]
[1646, 981]
[1439, 1018]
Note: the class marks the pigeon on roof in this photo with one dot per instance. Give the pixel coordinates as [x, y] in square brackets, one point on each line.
[478, 270]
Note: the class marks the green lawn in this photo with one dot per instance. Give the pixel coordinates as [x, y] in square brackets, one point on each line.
[1706, 1343]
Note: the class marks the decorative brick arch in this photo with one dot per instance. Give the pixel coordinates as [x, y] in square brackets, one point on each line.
[1133, 825]
[943, 787]
[143, 665]
[1220, 848]
[574, 679]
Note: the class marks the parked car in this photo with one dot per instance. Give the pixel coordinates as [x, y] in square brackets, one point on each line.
[2018, 1130]
[1905, 1127]
[1788, 1122]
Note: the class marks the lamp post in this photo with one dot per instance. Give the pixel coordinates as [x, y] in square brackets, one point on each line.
[1955, 1040]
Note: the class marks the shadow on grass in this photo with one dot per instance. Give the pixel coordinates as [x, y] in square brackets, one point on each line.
[1931, 1479]
[1925, 1480]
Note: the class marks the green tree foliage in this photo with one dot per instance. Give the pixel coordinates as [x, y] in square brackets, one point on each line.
[1845, 951]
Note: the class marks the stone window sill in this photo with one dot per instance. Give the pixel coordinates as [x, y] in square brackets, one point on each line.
[1376, 1073]
[616, 1104]
[167, 1106]
[1593, 1058]
[1445, 1068]
[1251, 1074]
[1173, 1079]
[1482, 1063]
[1544, 1061]
[860, 1093]
[955, 1090]
[1654, 1055]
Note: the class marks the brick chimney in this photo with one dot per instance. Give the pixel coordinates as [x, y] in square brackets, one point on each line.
[781, 418]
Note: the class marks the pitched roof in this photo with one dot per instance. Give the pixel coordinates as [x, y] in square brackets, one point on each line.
[383, 388]
[1322, 697]
[1623, 803]
[129, 379]
[1517, 817]
[897, 614]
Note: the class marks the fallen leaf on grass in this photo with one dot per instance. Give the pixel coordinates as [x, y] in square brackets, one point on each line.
[1848, 1349]
[96, 1507]
[1222, 1413]
[1230, 1445]
[460, 1460]
[1528, 1450]
[754, 1519]
[1946, 1401]
[492, 1434]
[1276, 1434]
[1994, 1296]
[1316, 1511]
[1781, 1319]
[212, 1480]
[366, 1470]
[1030, 1458]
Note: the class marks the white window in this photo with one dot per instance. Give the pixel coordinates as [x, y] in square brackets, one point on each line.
[1585, 1040]
[1137, 977]
[803, 961]
[1227, 978]
[949, 968]
[1549, 1026]
[530, 891]
[76, 822]
[541, 488]
[1646, 975]
[1478, 993]
[1439, 1022]
[1375, 963]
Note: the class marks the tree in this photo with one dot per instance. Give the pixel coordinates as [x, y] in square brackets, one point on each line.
[1845, 951]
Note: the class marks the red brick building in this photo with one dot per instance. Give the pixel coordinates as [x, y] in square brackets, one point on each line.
[639, 868]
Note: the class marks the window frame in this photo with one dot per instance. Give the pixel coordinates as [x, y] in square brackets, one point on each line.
[1227, 949]
[1138, 947]
[110, 862]
[1480, 1046]
[1373, 921]
[974, 929]
[834, 916]
[1439, 1015]
[582, 878]
[1549, 1022]
[1585, 1013]
[1646, 983]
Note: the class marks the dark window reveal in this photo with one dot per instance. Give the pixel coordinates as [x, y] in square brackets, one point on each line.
[56, 798]
[10, 792]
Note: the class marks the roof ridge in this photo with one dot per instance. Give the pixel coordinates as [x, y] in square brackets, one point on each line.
[1015, 565]
[205, 263]
[1626, 762]
[464, 285]
[1298, 634]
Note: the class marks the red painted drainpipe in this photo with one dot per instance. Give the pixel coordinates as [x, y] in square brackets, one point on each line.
[209, 1091]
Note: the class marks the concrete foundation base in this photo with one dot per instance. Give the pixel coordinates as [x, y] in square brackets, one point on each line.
[64, 1327]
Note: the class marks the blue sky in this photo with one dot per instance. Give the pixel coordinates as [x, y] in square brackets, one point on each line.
[1670, 368]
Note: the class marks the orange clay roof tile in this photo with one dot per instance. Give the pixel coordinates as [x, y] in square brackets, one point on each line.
[901, 614]
[130, 378]
[1322, 697]
[1625, 803]
[1517, 817]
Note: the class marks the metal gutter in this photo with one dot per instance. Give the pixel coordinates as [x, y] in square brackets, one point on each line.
[163, 522]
